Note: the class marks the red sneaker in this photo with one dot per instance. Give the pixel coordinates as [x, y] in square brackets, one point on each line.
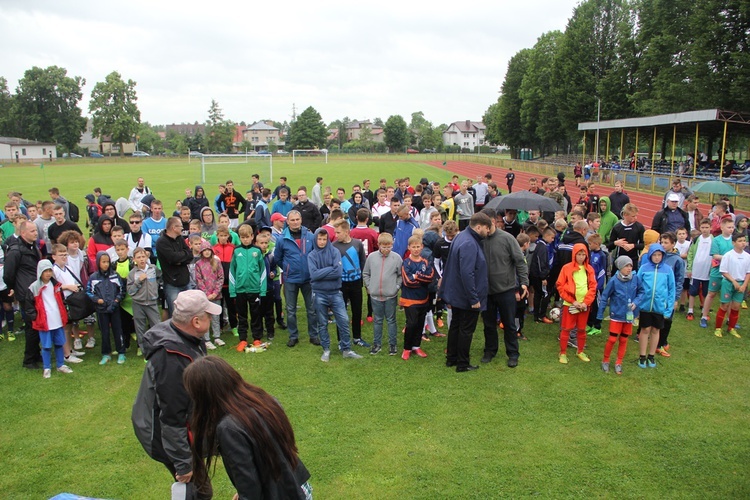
[405, 355]
[425, 338]
[369, 319]
[440, 322]
[256, 343]
[438, 334]
[241, 346]
[690, 316]
[419, 352]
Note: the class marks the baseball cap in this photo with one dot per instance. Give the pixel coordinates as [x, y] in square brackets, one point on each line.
[277, 216]
[265, 228]
[195, 302]
[673, 197]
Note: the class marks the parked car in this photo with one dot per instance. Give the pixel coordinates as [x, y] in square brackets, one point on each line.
[96, 155]
[429, 150]
[71, 155]
[282, 152]
[140, 154]
[263, 152]
[412, 151]
[195, 154]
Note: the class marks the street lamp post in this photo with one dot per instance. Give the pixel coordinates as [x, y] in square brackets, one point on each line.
[598, 116]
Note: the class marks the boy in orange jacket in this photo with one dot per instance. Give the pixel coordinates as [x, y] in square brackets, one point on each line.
[577, 287]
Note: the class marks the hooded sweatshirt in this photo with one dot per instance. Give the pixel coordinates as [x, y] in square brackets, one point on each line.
[608, 220]
[46, 314]
[324, 265]
[656, 289]
[99, 242]
[208, 277]
[106, 285]
[619, 292]
[197, 203]
[575, 285]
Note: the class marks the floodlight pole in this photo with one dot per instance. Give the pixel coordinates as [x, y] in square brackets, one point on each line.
[598, 116]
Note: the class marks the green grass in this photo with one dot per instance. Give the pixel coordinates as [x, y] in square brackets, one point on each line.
[384, 428]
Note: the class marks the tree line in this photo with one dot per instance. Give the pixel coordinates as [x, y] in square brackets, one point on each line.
[635, 58]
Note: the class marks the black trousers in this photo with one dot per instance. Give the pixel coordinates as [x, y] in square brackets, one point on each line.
[504, 305]
[231, 307]
[251, 301]
[414, 325]
[460, 334]
[593, 310]
[664, 333]
[266, 312]
[32, 352]
[352, 291]
[541, 300]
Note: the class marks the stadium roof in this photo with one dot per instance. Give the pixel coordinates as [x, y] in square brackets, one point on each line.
[707, 118]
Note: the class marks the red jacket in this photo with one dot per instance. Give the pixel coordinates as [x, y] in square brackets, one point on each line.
[566, 284]
[39, 316]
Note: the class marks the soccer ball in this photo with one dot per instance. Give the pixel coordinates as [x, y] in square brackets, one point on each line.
[554, 314]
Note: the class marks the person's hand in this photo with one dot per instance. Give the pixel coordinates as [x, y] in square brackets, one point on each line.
[143, 277]
[736, 285]
[525, 291]
[476, 306]
[100, 301]
[236, 496]
[10, 293]
[184, 478]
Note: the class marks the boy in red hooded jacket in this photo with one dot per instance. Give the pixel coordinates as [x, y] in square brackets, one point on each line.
[577, 287]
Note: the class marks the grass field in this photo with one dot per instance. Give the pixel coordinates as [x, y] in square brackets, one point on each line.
[384, 428]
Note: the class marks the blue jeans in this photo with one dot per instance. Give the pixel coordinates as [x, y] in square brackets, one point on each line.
[170, 295]
[384, 310]
[334, 301]
[291, 291]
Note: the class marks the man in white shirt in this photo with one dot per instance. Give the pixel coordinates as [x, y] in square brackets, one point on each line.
[137, 194]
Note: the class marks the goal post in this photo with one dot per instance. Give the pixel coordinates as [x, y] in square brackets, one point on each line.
[211, 160]
[308, 152]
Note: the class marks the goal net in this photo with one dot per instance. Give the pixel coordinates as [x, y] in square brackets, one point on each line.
[219, 167]
[317, 154]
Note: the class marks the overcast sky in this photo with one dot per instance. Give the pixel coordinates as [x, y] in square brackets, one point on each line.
[259, 59]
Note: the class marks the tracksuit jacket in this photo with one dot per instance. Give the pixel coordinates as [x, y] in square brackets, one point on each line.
[656, 285]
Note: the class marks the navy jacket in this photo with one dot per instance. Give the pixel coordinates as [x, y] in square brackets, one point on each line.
[465, 274]
[291, 258]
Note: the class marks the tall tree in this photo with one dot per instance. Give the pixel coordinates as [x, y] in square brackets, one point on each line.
[219, 132]
[176, 142]
[45, 106]
[7, 127]
[396, 133]
[506, 120]
[365, 137]
[308, 131]
[149, 140]
[114, 110]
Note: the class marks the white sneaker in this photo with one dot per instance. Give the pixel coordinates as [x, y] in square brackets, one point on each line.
[210, 345]
[351, 354]
[219, 342]
[73, 359]
[77, 344]
[64, 369]
[326, 356]
[47, 373]
[73, 352]
[90, 343]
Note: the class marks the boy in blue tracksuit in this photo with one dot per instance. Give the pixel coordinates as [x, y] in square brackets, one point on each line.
[622, 294]
[656, 292]
[673, 259]
[324, 263]
[598, 258]
[107, 290]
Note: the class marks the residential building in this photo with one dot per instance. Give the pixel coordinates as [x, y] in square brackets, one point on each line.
[188, 129]
[262, 134]
[13, 149]
[104, 146]
[467, 134]
[354, 128]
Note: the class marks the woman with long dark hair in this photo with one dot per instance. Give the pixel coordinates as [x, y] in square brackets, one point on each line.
[248, 428]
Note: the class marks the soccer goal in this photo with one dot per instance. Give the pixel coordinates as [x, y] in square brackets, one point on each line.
[300, 153]
[261, 164]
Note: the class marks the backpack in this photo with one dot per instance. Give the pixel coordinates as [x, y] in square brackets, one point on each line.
[73, 213]
[94, 211]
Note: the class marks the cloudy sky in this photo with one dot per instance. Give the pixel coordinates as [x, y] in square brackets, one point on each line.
[259, 59]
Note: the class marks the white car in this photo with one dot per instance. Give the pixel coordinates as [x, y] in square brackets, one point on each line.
[140, 154]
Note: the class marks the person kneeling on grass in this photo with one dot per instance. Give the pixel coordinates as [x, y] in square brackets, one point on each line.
[656, 290]
[735, 269]
[621, 293]
[324, 263]
[577, 287]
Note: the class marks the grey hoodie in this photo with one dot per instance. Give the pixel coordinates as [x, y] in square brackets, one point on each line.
[382, 275]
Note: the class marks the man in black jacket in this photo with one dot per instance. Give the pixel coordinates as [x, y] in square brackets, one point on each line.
[174, 255]
[19, 273]
[311, 216]
[162, 407]
[672, 217]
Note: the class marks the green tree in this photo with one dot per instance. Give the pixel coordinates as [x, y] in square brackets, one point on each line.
[365, 137]
[114, 110]
[176, 142]
[197, 143]
[45, 106]
[308, 131]
[505, 126]
[396, 133]
[149, 140]
[219, 132]
[7, 126]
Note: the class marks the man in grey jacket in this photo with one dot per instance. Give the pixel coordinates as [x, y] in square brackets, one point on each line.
[162, 407]
[507, 272]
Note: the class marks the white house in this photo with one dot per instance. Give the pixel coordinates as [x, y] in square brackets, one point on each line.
[13, 149]
[261, 135]
[467, 134]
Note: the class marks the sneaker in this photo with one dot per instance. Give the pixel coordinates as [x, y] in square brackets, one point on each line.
[583, 356]
[618, 369]
[73, 359]
[651, 363]
[437, 334]
[440, 322]
[588, 329]
[270, 337]
[326, 356]
[734, 333]
[241, 346]
[641, 363]
[744, 304]
[690, 316]
[521, 336]
[351, 354]
[292, 342]
[704, 322]
[105, 359]
[426, 338]
[375, 349]
[235, 332]
[361, 343]
[47, 373]
[419, 352]
[257, 343]
[139, 352]
[121, 359]
[90, 343]
[605, 366]
[369, 319]
[11, 336]
[64, 369]
[563, 359]
[717, 332]
[314, 340]
[666, 347]
[594, 331]
[134, 336]
[218, 342]
[210, 345]
[573, 343]
[682, 308]
[73, 352]
[281, 324]
[392, 351]
[77, 344]
[663, 352]
[405, 355]
[545, 320]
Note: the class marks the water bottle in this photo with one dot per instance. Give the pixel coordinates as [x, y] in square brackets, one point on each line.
[629, 314]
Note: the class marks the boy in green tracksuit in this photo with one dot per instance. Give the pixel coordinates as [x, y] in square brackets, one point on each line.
[247, 284]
